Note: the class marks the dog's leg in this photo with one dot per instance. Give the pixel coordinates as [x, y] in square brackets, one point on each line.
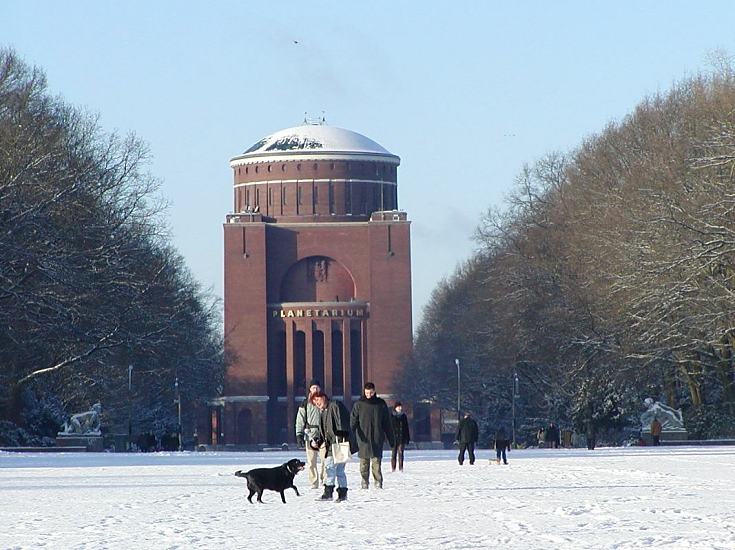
[260, 494]
[283, 497]
[250, 496]
[295, 489]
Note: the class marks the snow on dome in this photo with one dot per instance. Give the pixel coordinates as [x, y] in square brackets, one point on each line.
[315, 140]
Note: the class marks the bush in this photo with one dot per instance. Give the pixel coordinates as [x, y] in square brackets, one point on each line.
[708, 422]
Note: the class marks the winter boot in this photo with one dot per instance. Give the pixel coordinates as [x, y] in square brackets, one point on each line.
[341, 494]
[328, 492]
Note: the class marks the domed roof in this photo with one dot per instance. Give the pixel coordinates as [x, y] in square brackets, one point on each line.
[315, 140]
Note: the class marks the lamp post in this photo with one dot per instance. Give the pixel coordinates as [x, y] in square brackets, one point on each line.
[130, 407]
[456, 362]
[513, 405]
[178, 406]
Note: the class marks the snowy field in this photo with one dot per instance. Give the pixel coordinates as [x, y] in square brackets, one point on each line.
[665, 497]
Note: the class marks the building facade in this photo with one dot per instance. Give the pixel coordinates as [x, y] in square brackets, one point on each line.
[317, 279]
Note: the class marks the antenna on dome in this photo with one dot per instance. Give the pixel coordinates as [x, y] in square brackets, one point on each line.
[315, 121]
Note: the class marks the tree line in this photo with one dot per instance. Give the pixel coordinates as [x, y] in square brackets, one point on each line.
[89, 282]
[607, 276]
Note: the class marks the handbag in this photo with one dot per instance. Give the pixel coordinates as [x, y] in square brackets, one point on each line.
[341, 452]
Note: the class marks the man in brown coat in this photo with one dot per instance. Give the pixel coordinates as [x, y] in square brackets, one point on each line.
[656, 428]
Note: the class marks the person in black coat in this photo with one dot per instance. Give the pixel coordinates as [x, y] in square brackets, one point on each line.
[501, 443]
[552, 436]
[401, 436]
[467, 433]
[370, 423]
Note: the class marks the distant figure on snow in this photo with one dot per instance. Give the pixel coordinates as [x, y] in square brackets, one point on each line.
[501, 443]
[541, 436]
[552, 436]
[656, 428]
[467, 432]
[591, 433]
[401, 436]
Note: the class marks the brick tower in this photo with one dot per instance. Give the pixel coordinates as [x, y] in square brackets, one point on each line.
[317, 278]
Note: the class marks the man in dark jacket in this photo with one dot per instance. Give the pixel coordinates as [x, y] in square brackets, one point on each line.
[401, 436]
[502, 442]
[552, 436]
[371, 425]
[467, 437]
[334, 427]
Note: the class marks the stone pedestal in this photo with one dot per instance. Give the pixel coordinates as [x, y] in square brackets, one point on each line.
[671, 435]
[92, 443]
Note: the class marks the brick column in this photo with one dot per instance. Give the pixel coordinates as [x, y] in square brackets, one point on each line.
[347, 362]
[290, 408]
[327, 328]
[309, 350]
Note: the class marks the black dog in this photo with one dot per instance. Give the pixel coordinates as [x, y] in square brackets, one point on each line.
[277, 479]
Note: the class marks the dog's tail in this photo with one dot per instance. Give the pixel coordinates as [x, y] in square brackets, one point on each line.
[240, 473]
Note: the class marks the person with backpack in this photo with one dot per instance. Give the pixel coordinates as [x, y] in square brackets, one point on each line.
[308, 436]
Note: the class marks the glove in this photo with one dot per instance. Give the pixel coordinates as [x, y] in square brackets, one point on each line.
[300, 443]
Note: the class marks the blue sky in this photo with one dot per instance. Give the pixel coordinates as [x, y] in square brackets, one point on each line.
[464, 92]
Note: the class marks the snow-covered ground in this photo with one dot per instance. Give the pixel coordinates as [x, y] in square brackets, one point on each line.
[665, 497]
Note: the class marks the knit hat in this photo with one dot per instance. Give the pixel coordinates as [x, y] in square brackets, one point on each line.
[314, 382]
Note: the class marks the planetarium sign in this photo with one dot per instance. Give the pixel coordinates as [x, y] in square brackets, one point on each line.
[312, 311]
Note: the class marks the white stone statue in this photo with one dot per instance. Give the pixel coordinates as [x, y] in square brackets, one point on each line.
[671, 419]
[84, 423]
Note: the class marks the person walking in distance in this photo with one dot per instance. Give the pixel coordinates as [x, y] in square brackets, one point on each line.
[401, 436]
[371, 425]
[656, 429]
[307, 432]
[467, 433]
[552, 436]
[501, 443]
[334, 427]
[541, 436]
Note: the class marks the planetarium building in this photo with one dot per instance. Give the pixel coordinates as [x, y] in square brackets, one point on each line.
[317, 279]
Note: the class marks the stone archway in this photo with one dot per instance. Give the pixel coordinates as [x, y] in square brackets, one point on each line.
[317, 279]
